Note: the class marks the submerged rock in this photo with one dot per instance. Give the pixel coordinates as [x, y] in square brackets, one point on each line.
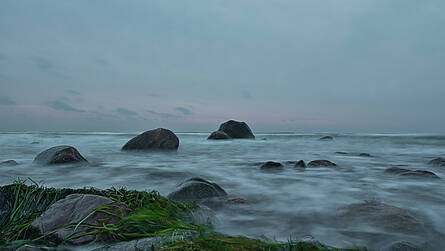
[219, 135]
[321, 163]
[412, 173]
[9, 163]
[4, 208]
[271, 165]
[157, 139]
[59, 155]
[382, 215]
[74, 209]
[365, 155]
[236, 130]
[437, 162]
[300, 163]
[195, 189]
[327, 138]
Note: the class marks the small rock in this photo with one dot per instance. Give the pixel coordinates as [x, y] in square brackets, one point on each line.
[342, 153]
[35, 143]
[437, 162]
[9, 163]
[327, 138]
[157, 139]
[75, 208]
[236, 130]
[237, 201]
[396, 170]
[270, 165]
[195, 189]
[365, 155]
[219, 135]
[300, 163]
[321, 163]
[59, 155]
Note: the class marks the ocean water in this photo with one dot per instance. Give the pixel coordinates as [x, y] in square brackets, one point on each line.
[285, 205]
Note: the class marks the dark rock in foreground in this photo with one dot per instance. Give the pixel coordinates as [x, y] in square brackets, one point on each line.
[219, 135]
[4, 208]
[437, 162]
[195, 189]
[321, 163]
[73, 209]
[327, 138]
[157, 139]
[271, 165]
[300, 163]
[59, 155]
[9, 163]
[382, 215]
[412, 173]
[236, 130]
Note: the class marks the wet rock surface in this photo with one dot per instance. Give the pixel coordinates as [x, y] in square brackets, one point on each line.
[271, 166]
[59, 155]
[437, 162]
[219, 135]
[9, 163]
[236, 130]
[74, 209]
[321, 163]
[157, 139]
[195, 189]
[411, 173]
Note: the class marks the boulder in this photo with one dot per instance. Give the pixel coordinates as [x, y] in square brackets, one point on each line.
[437, 162]
[219, 135]
[236, 130]
[76, 208]
[321, 163]
[412, 173]
[327, 138]
[4, 208]
[382, 215]
[195, 189]
[157, 139]
[271, 165]
[59, 155]
[300, 163]
[9, 163]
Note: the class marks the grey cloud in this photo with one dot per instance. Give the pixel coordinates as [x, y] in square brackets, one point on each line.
[73, 92]
[162, 114]
[5, 100]
[183, 110]
[62, 106]
[127, 112]
[42, 63]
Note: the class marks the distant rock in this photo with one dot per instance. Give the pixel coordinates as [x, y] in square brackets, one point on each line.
[59, 155]
[342, 153]
[355, 154]
[9, 163]
[365, 155]
[437, 162]
[219, 135]
[195, 189]
[321, 163]
[237, 201]
[327, 138]
[271, 165]
[300, 163]
[402, 246]
[75, 208]
[382, 215]
[412, 173]
[4, 208]
[35, 143]
[236, 130]
[157, 139]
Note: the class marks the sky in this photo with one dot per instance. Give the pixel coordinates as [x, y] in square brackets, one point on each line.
[284, 65]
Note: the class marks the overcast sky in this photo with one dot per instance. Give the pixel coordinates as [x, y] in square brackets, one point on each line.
[283, 65]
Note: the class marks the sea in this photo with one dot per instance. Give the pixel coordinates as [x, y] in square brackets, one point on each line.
[286, 205]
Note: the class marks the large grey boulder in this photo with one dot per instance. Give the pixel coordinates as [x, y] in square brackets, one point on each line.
[377, 214]
[76, 208]
[437, 162]
[219, 135]
[236, 130]
[195, 189]
[59, 155]
[157, 139]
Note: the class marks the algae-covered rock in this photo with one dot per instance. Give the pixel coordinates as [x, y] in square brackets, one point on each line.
[195, 189]
[321, 163]
[412, 173]
[300, 164]
[157, 139]
[327, 138]
[59, 155]
[76, 208]
[271, 166]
